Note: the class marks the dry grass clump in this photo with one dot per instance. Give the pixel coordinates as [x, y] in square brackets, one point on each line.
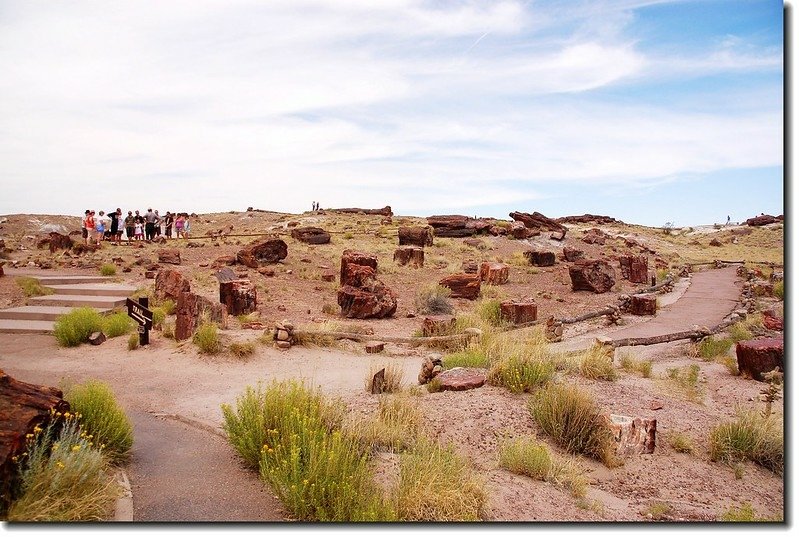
[520, 364]
[317, 335]
[680, 443]
[597, 363]
[242, 350]
[573, 419]
[437, 485]
[749, 436]
[32, 287]
[469, 357]
[744, 513]
[133, 341]
[397, 427]
[207, 338]
[710, 347]
[434, 300]
[686, 381]
[630, 364]
[392, 378]
[530, 457]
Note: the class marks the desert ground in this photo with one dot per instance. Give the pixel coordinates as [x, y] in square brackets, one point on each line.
[173, 379]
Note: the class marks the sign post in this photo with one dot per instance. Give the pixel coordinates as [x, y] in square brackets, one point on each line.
[138, 312]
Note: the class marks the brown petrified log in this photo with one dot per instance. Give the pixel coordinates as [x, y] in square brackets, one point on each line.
[385, 211]
[420, 236]
[494, 273]
[169, 256]
[643, 304]
[538, 221]
[373, 301]
[632, 435]
[634, 268]
[239, 296]
[461, 378]
[311, 235]
[409, 255]
[518, 312]
[170, 283]
[353, 257]
[56, 241]
[540, 259]
[189, 310]
[263, 252]
[592, 275]
[462, 285]
[759, 356]
[572, 254]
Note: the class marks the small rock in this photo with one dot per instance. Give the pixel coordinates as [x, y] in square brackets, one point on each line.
[97, 338]
[373, 347]
[283, 345]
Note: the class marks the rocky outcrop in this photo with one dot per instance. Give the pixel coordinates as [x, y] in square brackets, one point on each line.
[759, 356]
[462, 285]
[494, 273]
[540, 259]
[592, 275]
[634, 268]
[263, 252]
[763, 220]
[420, 236]
[409, 255]
[518, 311]
[310, 235]
[170, 283]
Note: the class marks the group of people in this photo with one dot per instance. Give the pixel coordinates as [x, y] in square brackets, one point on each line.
[110, 226]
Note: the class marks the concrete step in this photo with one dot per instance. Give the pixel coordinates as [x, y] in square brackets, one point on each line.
[40, 313]
[93, 289]
[67, 280]
[17, 326]
[76, 301]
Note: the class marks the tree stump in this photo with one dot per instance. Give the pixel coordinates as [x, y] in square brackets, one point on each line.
[409, 255]
[634, 268]
[633, 435]
[375, 301]
[420, 236]
[190, 308]
[759, 356]
[592, 275]
[540, 259]
[462, 285]
[438, 325]
[352, 257]
[170, 283]
[239, 296]
[643, 304]
[494, 273]
[518, 312]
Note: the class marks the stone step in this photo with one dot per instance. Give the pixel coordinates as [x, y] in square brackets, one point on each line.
[67, 280]
[79, 300]
[18, 326]
[93, 289]
[40, 313]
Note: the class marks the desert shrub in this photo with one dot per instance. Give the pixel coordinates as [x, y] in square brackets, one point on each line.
[488, 310]
[739, 332]
[779, 290]
[348, 235]
[32, 287]
[133, 341]
[396, 427]
[65, 480]
[434, 386]
[749, 436]
[168, 329]
[159, 316]
[437, 485]
[469, 357]
[317, 335]
[102, 417]
[710, 347]
[659, 510]
[530, 457]
[392, 378]
[75, 327]
[207, 338]
[520, 374]
[107, 269]
[330, 309]
[597, 363]
[687, 376]
[117, 324]
[744, 513]
[644, 367]
[680, 443]
[434, 300]
[242, 350]
[573, 419]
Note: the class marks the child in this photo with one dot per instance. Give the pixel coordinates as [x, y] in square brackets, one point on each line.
[139, 231]
[100, 227]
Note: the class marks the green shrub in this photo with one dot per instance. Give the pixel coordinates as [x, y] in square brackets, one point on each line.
[521, 374]
[744, 513]
[242, 350]
[779, 290]
[159, 316]
[470, 357]
[434, 300]
[710, 347]
[168, 329]
[207, 339]
[644, 367]
[32, 286]
[117, 324]
[64, 481]
[680, 443]
[107, 269]
[597, 363]
[133, 341]
[530, 457]
[167, 305]
[489, 311]
[573, 419]
[749, 436]
[436, 485]
[396, 427]
[102, 417]
[75, 327]
[739, 332]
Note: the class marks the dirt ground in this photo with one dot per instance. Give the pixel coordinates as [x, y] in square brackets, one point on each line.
[173, 378]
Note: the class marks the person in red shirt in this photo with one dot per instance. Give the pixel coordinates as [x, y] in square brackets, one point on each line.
[90, 226]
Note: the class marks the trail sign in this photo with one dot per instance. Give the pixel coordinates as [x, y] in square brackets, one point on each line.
[140, 313]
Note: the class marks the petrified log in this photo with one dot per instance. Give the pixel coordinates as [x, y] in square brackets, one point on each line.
[170, 283]
[520, 231]
[385, 211]
[540, 259]
[263, 252]
[643, 304]
[470, 266]
[586, 219]
[759, 356]
[240, 297]
[409, 255]
[772, 322]
[633, 435]
[538, 221]
[461, 378]
[225, 260]
[352, 257]
[170, 256]
[311, 235]
[420, 236]
[462, 285]
[494, 273]
[474, 243]
[374, 347]
[592, 275]
[23, 407]
[572, 254]
[456, 225]
[763, 220]
[358, 275]
[375, 301]
[518, 312]
[594, 236]
[634, 268]
[189, 310]
[82, 248]
[438, 325]
[56, 241]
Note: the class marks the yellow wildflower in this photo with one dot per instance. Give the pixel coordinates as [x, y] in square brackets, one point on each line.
[59, 464]
[76, 448]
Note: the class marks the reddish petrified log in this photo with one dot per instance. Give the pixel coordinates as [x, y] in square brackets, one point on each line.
[572, 254]
[592, 275]
[170, 256]
[438, 325]
[587, 219]
[189, 310]
[494, 273]
[409, 255]
[470, 266]
[420, 236]
[56, 241]
[643, 304]
[263, 252]
[225, 260]
[358, 275]
[772, 322]
[311, 235]
[538, 221]
[540, 259]
[462, 285]
[456, 225]
[461, 378]
[763, 220]
[170, 283]
[374, 347]
[374, 301]
[385, 211]
[23, 407]
[520, 231]
[518, 312]
[634, 268]
[352, 257]
[594, 236]
[759, 356]
[240, 297]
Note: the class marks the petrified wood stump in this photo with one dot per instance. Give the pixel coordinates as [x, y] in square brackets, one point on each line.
[240, 297]
[518, 312]
[374, 347]
[352, 257]
[643, 304]
[169, 256]
[375, 301]
[759, 356]
[170, 283]
[633, 435]
[462, 285]
[438, 325]
[420, 236]
[540, 259]
[189, 310]
[592, 275]
[263, 252]
[494, 273]
[310, 235]
[409, 255]
[634, 268]
[358, 275]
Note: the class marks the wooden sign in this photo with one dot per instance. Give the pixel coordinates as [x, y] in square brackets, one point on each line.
[140, 314]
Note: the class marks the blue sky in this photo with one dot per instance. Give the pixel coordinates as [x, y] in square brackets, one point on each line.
[648, 111]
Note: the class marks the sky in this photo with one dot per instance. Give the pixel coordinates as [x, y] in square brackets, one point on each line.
[645, 110]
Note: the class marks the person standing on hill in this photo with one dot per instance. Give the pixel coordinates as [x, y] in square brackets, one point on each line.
[130, 226]
[84, 231]
[89, 222]
[179, 221]
[149, 224]
[99, 227]
[157, 223]
[114, 227]
[168, 220]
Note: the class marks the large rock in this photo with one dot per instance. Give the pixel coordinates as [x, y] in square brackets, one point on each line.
[540, 259]
[352, 257]
[420, 236]
[538, 221]
[518, 312]
[358, 275]
[633, 435]
[520, 231]
[374, 301]
[461, 378]
[189, 311]
[494, 273]
[170, 283]
[409, 255]
[763, 220]
[240, 297]
[634, 268]
[594, 236]
[456, 225]
[643, 304]
[263, 252]
[572, 254]
[759, 356]
[311, 235]
[592, 275]
[462, 285]
[169, 256]
[772, 322]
